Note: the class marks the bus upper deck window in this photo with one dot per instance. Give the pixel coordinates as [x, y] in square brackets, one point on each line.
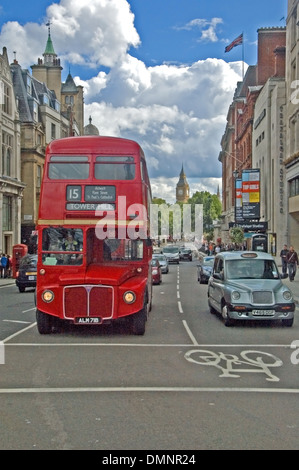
[68, 167]
[109, 167]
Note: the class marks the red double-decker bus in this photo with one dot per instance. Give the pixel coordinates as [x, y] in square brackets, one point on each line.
[94, 249]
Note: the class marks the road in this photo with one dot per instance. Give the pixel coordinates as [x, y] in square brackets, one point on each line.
[189, 383]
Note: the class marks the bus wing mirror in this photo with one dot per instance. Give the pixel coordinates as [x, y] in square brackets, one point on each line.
[149, 242]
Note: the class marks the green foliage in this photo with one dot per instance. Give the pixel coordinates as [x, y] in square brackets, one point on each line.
[236, 235]
[212, 210]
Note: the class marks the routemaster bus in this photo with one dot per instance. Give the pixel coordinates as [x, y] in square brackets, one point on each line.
[94, 249]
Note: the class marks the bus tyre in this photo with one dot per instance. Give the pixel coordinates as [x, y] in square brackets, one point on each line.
[44, 323]
[138, 322]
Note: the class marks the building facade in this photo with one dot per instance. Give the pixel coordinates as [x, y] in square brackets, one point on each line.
[11, 185]
[49, 109]
[269, 142]
[245, 126]
[291, 156]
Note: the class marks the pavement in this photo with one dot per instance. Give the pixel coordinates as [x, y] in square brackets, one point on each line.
[293, 286]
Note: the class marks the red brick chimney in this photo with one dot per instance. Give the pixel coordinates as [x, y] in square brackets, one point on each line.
[269, 62]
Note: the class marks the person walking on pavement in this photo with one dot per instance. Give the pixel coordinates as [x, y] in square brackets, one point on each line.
[283, 256]
[3, 264]
[292, 260]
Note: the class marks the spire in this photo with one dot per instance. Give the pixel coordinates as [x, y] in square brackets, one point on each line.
[49, 54]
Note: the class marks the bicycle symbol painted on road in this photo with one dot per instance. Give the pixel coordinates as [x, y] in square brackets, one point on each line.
[229, 364]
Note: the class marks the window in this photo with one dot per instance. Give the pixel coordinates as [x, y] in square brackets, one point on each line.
[120, 168]
[38, 176]
[53, 131]
[35, 111]
[68, 171]
[7, 212]
[294, 187]
[6, 159]
[44, 99]
[8, 162]
[29, 84]
[69, 100]
[62, 246]
[6, 98]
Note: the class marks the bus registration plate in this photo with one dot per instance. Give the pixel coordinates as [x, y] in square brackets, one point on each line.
[88, 320]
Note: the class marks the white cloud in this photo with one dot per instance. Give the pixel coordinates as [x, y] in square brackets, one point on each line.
[176, 112]
[207, 28]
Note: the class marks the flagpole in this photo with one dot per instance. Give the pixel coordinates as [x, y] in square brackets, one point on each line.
[243, 57]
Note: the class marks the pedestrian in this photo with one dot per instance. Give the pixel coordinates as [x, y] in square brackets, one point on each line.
[8, 266]
[292, 260]
[3, 264]
[283, 256]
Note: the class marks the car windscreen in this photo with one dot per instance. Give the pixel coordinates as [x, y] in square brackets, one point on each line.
[251, 269]
[170, 249]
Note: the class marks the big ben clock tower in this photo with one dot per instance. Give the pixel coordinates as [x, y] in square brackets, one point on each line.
[182, 188]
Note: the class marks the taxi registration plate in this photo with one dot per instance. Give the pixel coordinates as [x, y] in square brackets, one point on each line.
[263, 313]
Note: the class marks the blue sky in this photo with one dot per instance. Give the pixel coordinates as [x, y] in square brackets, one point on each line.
[152, 70]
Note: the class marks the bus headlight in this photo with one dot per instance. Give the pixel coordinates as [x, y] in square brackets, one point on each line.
[48, 296]
[129, 297]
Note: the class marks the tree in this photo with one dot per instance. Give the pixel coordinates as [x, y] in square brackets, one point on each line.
[236, 235]
[212, 210]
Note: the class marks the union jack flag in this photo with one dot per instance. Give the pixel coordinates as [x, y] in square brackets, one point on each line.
[236, 42]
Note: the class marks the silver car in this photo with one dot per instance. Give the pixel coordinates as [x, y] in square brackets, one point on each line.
[172, 253]
[163, 262]
[246, 285]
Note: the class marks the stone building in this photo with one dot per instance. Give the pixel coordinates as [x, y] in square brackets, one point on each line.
[291, 154]
[11, 186]
[49, 109]
[239, 140]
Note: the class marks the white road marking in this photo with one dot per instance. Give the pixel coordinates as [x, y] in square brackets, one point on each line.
[17, 321]
[148, 389]
[190, 333]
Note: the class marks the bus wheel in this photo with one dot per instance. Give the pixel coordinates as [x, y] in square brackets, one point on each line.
[139, 321]
[44, 323]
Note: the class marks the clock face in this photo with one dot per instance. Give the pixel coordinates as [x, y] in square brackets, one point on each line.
[180, 191]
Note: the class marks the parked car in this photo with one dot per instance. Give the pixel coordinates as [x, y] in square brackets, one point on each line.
[26, 275]
[163, 262]
[172, 253]
[156, 271]
[204, 269]
[186, 254]
[247, 285]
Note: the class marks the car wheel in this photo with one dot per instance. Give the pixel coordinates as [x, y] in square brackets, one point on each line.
[225, 315]
[44, 323]
[21, 289]
[212, 310]
[288, 322]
